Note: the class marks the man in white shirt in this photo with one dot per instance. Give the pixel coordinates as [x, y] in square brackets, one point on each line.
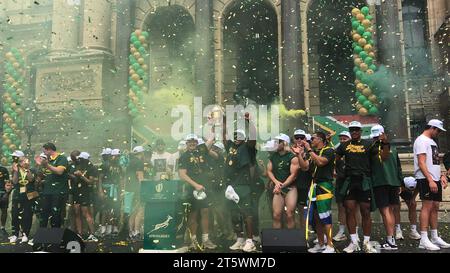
[162, 161]
[430, 183]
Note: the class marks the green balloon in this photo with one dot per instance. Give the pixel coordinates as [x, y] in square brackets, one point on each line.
[134, 112]
[369, 17]
[365, 10]
[355, 69]
[136, 66]
[370, 42]
[363, 55]
[373, 67]
[141, 49]
[355, 25]
[367, 104]
[131, 105]
[358, 49]
[137, 44]
[140, 72]
[364, 79]
[367, 35]
[368, 60]
[361, 30]
[362, 99]
[145, 34]
[133, 39]
[359, 74]
[357, 94]
[373, 110]
[135, 89]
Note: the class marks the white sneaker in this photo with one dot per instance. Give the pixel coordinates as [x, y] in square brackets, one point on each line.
[428, 245]
[108, 230]
[329, 249]
[13, 239]
[317, 249]
[399, 235]
[413, 234]
[31, 242]
[92, 238]
[249, 246]
[352, 248]
[24, 239]
[257, 239]
[340, 237]
[209, 245]
[368, 248]
[238, 245]
[440, 243]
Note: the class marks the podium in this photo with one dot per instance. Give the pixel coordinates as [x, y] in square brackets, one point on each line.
[165, 218]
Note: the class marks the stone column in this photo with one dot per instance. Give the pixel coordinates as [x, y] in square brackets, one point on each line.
[97, 25]
[292, 75]
[390, 55]
[204, 61]
[65, 25]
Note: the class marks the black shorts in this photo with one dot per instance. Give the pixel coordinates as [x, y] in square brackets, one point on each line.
[386, 195]
[426, 194]
[302, 196]
[355, 191]
[82, 197]
[407, 195]
[338, 196]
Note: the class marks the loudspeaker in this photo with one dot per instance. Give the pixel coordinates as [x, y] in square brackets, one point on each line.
[283, 240]
[57, 240]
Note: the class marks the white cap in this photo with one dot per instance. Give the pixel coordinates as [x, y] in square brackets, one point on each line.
[299, 132]
[284, 137]
[138, 149]
[269, 146]
[219, 145]
[308, 137]
[191, 137]
[84, 155]
[18, 154]
[115, 152]
[410, 182]
[241, 133]
[345, 133]
[376, 131]
[182, 145]
[438, 124]
[200, 141]
[106, 151]
[355, 124]
[44, 156]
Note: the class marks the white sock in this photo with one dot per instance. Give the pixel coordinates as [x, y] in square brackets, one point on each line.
[398, 227]
[325, 240]
[366, 239]
[205, 237]
[354, 238]
[341, 229]
[240, 240]
[391, 240]
[424, 235]
[413, 227]
[434, 234]
[194, 237]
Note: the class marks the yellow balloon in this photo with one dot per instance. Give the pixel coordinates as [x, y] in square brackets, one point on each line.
[132, 72]
[356, 37]
[353, 32]
[145, 67]
[13, 105]
[140, 83]
[358, 106]
[369, 71]
[362, 42]
[357, 81]
[133, 50]
[368, 48]
[14, 126]
[370, 29]
[145, 45]
[358, 61]
[142, 39]
[9, 55]
[138, 32]
[355, 12]
[10, 80]
[16, 65]
[7, 142]
[372, 55]
[137, 55]
[366, 23]
[135, 77]
[360, 17]
[367, 92]
[363, 111]
[144, 89]
[12, 147]
[141, 61]
[360, 86]
[373, 98]
[363, 66]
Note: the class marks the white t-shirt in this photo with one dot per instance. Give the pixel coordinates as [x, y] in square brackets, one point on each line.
[161, 162]
[425, 145]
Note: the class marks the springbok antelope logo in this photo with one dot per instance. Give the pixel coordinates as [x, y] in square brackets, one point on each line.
[162, 225]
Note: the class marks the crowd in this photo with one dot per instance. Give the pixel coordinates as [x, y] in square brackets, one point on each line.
[302, 174]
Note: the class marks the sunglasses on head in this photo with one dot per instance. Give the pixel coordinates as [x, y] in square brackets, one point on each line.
[300, 137]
